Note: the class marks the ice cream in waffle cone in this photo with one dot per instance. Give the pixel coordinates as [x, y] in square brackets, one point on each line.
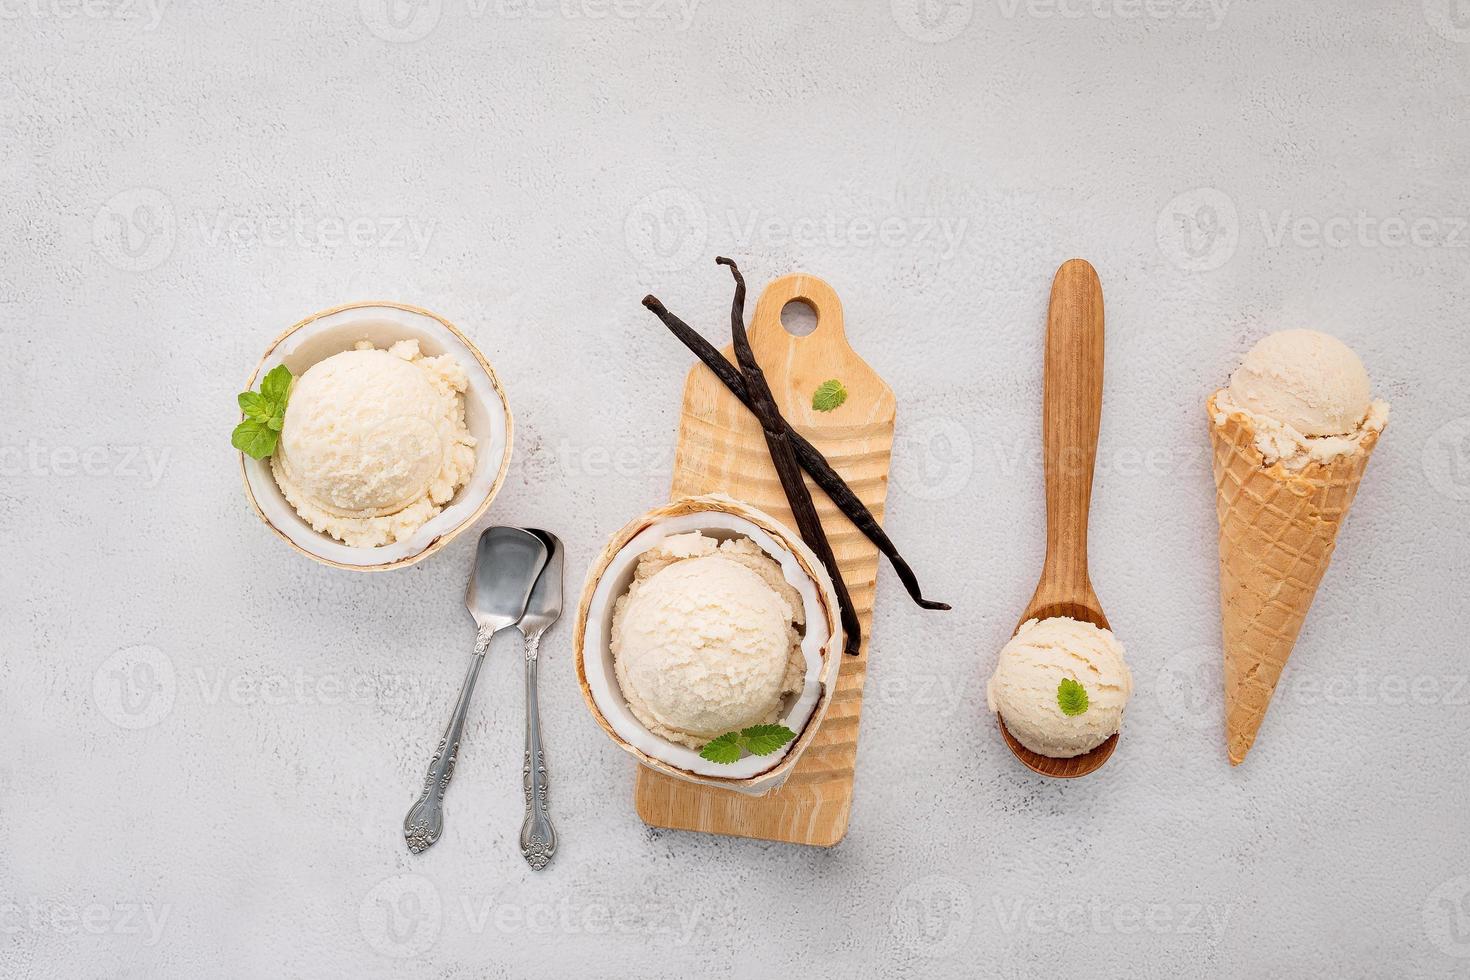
[1284, 482]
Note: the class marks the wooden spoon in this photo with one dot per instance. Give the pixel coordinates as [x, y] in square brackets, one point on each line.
[1071, 412]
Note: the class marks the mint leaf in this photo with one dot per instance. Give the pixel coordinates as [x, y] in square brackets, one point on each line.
[829, 395]
[275, 387]
[765, 739]
[254, 405]
[724, 750]
[1071, 697]
[265, 414]
[254, 438]
[757, 740]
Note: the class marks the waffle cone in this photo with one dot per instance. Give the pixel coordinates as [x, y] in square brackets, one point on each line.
[1278, 528]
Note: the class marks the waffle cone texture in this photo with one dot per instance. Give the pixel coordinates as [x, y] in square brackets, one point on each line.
[1278, 528]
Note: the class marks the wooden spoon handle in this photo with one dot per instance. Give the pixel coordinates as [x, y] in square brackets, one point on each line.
[1071, 412]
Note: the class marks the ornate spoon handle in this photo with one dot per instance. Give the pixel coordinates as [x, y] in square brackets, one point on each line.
[425, 821]
[538, 837]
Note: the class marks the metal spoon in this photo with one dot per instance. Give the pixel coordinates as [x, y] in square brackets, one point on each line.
[1071, 414]
[508, 560]
[538, 837]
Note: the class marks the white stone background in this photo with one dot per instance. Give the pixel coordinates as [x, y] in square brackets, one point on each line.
[209, 742]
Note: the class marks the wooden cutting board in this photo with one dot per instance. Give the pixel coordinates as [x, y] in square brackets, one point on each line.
[721, 449]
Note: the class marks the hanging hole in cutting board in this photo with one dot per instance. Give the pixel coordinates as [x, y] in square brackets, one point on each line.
[799, 318]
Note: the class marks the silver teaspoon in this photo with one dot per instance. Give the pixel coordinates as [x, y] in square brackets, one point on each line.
[508, 560]
[538, 836]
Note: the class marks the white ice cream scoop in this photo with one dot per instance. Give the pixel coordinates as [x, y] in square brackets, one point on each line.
[363, 434]
[703, 648]
[1308, 380]
[1061, 686]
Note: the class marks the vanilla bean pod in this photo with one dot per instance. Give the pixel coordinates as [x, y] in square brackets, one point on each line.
[810, 458]
[778, 441]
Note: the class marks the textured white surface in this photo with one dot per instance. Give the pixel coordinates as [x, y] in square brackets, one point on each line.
[209, 742]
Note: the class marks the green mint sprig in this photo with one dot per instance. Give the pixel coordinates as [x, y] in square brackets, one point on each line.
[757, 740]
[265, 413]
[1071, 697]
[829, 395]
